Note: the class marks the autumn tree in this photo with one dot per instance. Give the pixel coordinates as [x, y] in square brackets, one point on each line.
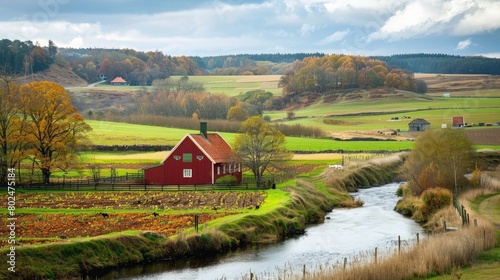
[260, 147]
[9, 125]
[237, 113]
[54, 127]
[440, 158]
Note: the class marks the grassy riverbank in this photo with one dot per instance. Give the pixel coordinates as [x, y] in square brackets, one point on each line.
[285, 212]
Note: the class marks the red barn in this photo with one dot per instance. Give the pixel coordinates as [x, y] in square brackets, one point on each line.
[457, 121]
[198, 159]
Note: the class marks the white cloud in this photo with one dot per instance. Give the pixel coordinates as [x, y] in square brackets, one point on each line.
[76, 43]
[335, 37]
[462, 45]
[425, 17]
[484, 18]
[306, 29]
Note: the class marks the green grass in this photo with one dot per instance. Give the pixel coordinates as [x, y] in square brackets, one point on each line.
[113, 133]
[235, 85]
[383, 121]
[109, 133]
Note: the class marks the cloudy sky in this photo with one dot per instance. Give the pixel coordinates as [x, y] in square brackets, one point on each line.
[189, 27]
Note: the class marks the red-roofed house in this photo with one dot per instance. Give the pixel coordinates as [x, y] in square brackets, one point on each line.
[118, 81]
[198, 159]
[457, 121]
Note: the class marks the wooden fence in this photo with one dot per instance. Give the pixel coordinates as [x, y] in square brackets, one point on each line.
[136, 187]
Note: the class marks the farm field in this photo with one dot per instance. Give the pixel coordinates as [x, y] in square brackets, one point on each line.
[109, 133]
[53, 216]
[235, 85]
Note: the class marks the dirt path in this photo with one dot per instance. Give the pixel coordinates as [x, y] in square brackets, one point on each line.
[490, 208]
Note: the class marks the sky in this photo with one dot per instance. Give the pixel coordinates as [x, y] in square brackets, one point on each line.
[224, 27]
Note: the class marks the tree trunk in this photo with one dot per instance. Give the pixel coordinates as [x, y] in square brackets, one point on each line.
[46, 175]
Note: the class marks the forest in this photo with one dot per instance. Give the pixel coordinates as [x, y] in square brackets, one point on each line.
[142, 68]
[443, 63]
[339, 72]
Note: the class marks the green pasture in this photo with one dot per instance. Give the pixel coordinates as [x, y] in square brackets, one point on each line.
[235, 85]
[436, 117]
[400, 102]
[110, 133]
[469, 93]
[113, 133]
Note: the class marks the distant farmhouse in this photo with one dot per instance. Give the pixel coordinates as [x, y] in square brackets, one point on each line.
[198, 159]
[118, 81]
[419, 125]
[457, 122]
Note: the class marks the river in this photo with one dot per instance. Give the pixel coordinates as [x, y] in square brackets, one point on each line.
[346, 233]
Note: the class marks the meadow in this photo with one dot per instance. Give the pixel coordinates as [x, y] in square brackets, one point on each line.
[235, 85]
[110, 133]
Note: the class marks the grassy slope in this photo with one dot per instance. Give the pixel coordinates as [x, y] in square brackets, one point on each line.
[235, 85]
[109, 133]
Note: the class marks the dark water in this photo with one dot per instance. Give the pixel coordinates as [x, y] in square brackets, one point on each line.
[348, 233]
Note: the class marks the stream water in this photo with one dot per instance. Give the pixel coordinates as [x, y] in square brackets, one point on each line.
[346, 233]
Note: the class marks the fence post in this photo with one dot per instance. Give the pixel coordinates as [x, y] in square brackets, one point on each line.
[196, 223]
[484, 239]
[418, 238]
[304, 272]
[345, 263]
[399, 244]
[375, 254]
[475, 222]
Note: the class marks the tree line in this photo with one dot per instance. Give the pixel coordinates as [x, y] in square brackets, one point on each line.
[39, 126]
[443, 63]
[338, 72]
[137, 68]
[17, 57]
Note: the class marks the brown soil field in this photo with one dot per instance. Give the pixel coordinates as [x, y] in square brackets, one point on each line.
[456, 82]
[40, 228]
[140, 200]
[56, 216]
[486, 136]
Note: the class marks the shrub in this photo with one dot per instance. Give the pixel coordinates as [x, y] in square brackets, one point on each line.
[227, 180]
[433, 200]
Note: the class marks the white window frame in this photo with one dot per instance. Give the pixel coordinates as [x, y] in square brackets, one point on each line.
[187, 173]
[218, 170]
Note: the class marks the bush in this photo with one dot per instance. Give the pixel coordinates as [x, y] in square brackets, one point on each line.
[227, 180]
[433, 200]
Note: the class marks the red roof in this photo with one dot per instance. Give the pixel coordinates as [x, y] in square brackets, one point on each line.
[457, 120]
[214, 145]
[118, 80]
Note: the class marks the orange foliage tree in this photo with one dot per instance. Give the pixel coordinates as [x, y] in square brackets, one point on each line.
[54, 129]
[440, 158]
[9, 125]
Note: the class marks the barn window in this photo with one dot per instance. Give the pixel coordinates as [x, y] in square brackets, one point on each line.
[187, 157]
[224, 169]
[188, 173]
[230, 170]
[218, 169]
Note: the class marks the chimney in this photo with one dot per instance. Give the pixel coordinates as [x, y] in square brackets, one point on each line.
[203, 129]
